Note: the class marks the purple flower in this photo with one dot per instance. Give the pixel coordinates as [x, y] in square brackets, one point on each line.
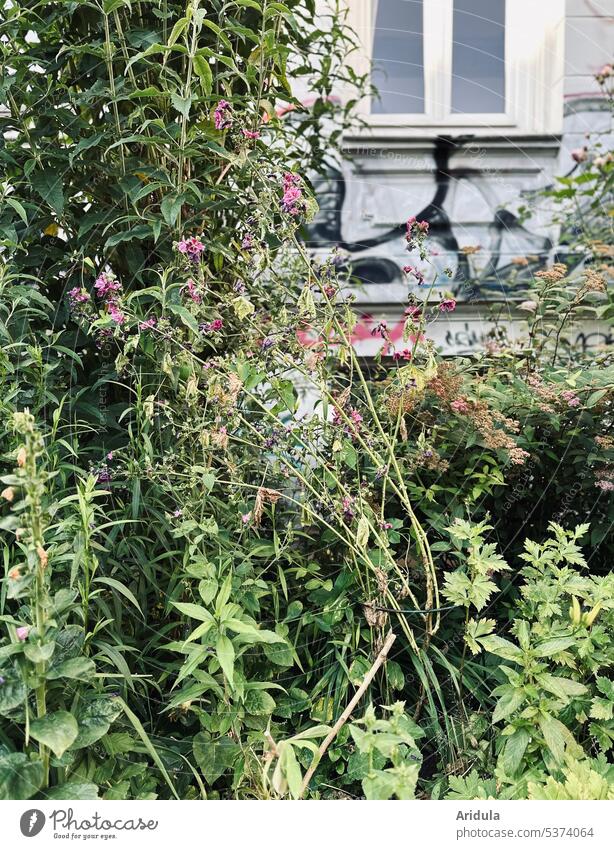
[248, 242]
[193, 292]
[292, 200]
[1, 680]
[78, 296]
[212, 326]
[103, 475]
[178, 514]
[106, 284]
[22, 632]
[192, 248]
[222, 115]
[115, 313]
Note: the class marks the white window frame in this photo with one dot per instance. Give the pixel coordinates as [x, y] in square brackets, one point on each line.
[534, 70]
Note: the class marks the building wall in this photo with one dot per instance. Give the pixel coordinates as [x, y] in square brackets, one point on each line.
[474, 190]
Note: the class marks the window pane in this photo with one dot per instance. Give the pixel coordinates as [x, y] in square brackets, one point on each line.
[398, 71]
[478, 64]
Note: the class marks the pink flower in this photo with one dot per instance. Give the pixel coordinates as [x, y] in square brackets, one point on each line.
[78, 296]
[212, 326]
[571, 398]
[22, 632]
[115, 313]
[292, 200]
[409, 269]
[248, 242]
[460, 406]
[605, 486]
[405, 354]
[193, 292]
[579, 154]
[251, 134]
[148, 324]
[245, 518]
[447, 305]
[413, 311]
[222, 115]
[192, 248]
[106, 285]
[110, 455]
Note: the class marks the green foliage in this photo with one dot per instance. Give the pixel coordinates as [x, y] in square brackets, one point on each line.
[201, 567]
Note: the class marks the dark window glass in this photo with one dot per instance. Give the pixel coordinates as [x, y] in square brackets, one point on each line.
[398, 58]
[478, 58]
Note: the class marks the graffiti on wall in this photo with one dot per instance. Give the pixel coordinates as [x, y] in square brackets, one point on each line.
[511, 249]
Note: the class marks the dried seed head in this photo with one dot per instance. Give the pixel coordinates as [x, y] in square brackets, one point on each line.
[21, 457]
[42, 556]
[8, 493]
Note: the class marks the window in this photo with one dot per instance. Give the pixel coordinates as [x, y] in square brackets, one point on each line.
[464, 64]
[478, 56]
[398, 57]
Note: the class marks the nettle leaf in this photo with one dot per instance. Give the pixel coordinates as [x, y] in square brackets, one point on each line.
[555, 735]
[56, 730]
[48, 184]
[515, 748]
[214, 757]
[501, 647]
[508, 704]
[553, 646]
[563, 688]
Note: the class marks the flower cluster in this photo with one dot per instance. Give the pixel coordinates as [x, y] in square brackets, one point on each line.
[222, 115]
[192, 248]
[416, 234]
[292, 201]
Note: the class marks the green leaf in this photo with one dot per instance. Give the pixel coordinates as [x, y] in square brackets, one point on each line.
[73, 790]
[203, 69]
[501, 647]
[18, 209]
[507, 704]
[515, 748]
[554, 734]
[186, 317]
[194, 611]
[94, 720]
[563, 688]
[121, 588]
[553, 646]
[214, 757]
[79, 668]
[12, 691]
[20, 777]
[48, 184]
[182, 104]
[292, 771]
[226, 655]
[56, 730]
